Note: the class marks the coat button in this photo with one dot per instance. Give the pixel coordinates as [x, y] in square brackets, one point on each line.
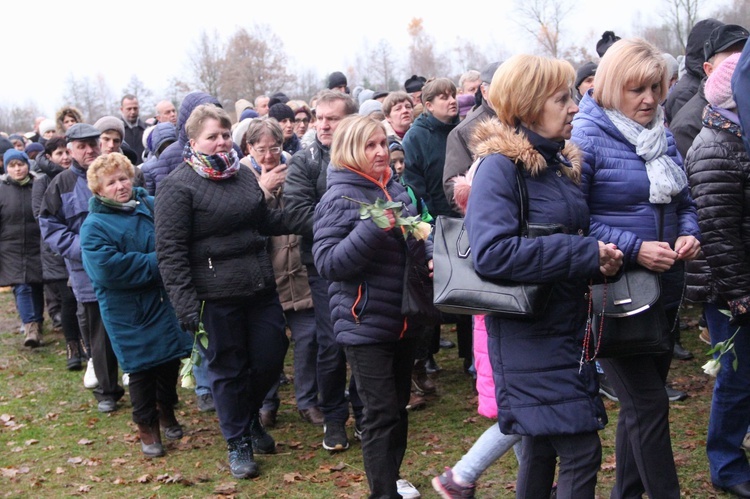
[580, 232]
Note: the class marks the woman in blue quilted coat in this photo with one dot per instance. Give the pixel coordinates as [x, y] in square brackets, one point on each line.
[638, 196]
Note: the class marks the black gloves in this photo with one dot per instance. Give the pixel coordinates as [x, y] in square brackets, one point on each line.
[190, 322]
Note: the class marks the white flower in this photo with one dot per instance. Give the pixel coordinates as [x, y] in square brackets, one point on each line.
[188, 380]
[712, 367]
[421, 231]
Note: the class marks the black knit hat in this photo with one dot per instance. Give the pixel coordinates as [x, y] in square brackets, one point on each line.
[608, 39]
[280, 112]
[588, 69]
[722, 38]
[336, 79]
[278, 97]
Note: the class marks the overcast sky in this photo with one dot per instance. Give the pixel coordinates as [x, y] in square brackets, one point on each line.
[152, 39]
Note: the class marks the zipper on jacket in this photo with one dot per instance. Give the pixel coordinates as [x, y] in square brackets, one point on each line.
[211, 266]
[361, 298]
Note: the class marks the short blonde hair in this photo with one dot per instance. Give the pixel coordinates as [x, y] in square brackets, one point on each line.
[349, 139]
[630, 61]
[523, 83]
[107, 164]
[201, 114]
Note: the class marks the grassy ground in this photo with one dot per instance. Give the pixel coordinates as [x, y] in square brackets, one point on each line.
[54, 443]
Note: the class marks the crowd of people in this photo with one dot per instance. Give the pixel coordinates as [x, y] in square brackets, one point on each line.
[219, 238]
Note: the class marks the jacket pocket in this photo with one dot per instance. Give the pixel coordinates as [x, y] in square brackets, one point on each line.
[360, 302]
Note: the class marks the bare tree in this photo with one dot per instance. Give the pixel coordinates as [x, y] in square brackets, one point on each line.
[737, 12]
[255, 64]
[468, 56]
[206, 63]
[18, 118]
[680, 17]
[176, 91]
[308, 83]
[380, 67]
[86, 96]
[423, 58]
[145, 96]
[544, 19]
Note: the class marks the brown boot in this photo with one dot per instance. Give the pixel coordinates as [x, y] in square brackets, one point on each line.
[150, 440]
[168, 421]
[416, 402]
[420, 382]
[33, 334]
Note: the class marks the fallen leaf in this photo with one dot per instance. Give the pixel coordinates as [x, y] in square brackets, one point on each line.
[119, 481]
[292, 477]
[145, 478]
[75, 460]
[84, 489]
[85, 441]
[31, 441]
[226, 488]
[59, 470]
[338, 467]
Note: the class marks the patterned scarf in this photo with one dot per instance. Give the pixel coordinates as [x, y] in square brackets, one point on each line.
[213, 166]
[666, 177]
[722, 119]
[127, 206]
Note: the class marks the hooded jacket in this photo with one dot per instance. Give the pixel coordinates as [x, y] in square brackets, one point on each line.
[119, 255]
[363, 263]
[20, 240]
[424, 157]
[541, 388]
[719, 171]
[623, 215]
[155, 171]
[687, 86]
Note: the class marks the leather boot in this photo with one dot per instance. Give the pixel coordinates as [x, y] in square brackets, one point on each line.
[679, 352]
[32, 334]
[168, 421]
[420, 382]
[150, 440]
[73, 354]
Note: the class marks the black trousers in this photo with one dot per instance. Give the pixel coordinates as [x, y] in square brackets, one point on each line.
[155, 385]
[100, 349]
[580, 457]
[383, 375]
[643, 447]
[246, 347]
[68, 308]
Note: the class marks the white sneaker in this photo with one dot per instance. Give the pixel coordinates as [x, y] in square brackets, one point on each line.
[89, 378]
[406, 490]
[125, 379]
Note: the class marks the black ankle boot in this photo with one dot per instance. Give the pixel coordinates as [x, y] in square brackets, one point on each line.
[73, 354]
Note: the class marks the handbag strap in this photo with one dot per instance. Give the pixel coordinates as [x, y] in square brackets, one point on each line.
[523, 222]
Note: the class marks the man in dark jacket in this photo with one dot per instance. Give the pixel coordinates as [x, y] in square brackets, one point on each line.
[688, 85]
[64, 208]
[723, 41]
[134, 127]
[304, 186]
[458, 157]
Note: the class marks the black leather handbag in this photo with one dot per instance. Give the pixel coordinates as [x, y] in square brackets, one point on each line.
[628, 317]
[460, 290]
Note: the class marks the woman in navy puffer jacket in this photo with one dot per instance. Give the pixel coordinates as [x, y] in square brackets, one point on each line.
[639, 200]
[542, 391]
[365, 265]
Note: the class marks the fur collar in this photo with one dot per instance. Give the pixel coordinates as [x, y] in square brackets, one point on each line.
[492, 137]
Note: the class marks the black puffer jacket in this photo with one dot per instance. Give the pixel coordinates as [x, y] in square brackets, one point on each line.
[209, 238]
[718, 168]
[20, 239]
[53, 265]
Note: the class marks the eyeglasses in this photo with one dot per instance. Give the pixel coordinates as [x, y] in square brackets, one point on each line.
[302, 120]
[262, 151]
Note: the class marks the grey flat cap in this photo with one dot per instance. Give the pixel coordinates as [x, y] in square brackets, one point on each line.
[81, 131]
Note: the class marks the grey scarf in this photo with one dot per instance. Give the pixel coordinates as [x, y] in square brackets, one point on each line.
[667, 178]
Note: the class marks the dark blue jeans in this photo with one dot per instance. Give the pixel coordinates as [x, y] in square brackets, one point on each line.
[29, 302]
[331, 360]
[245, 355]
[730, 406]
[383, 374]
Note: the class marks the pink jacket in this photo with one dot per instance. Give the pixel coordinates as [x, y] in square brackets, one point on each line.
[485, 382]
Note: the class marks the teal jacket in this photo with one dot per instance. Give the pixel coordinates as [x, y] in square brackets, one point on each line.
[119, 257]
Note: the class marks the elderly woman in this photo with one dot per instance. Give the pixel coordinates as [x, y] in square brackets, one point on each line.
[119, 255]
[66, 117]
[718, 166]
[543, 392]
[20, 245]
[364, 263]
[620, 129]
[211, 223]
[262, 144]
[398, 108]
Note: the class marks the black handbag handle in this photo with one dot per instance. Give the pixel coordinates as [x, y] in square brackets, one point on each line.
[523, 222]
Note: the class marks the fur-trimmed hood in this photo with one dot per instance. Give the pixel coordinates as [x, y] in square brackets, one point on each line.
[492, 137]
